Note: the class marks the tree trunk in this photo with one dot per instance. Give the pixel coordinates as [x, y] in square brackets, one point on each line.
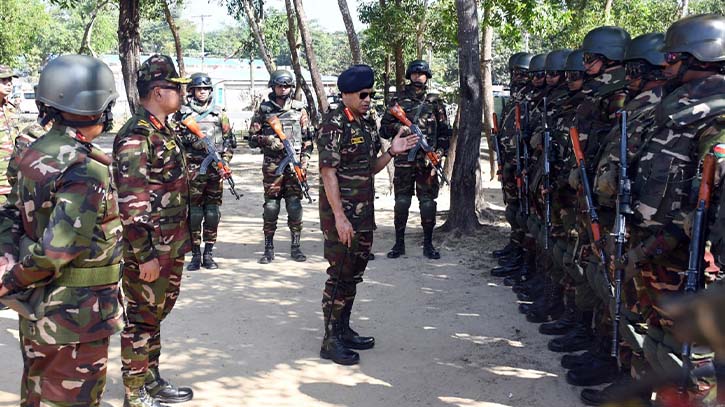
[311, 58]
[487, 74]
[399, 67]
[462, 216]
[177, 41]
[608, 12]
[88, 32]
[292, 42]
[448, 165]
[351, 34]
[386, 80]
[258, 36]
[684, 8]
[129, 47]
[419, 44]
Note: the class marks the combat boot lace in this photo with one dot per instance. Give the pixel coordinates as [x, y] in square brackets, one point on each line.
[295, 251]
[164, 391]
[141, 398]
[268, 255]
[195, 263]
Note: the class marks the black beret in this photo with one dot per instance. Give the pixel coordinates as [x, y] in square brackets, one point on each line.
[355, 78]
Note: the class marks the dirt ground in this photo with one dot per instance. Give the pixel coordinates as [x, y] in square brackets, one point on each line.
[249, 335]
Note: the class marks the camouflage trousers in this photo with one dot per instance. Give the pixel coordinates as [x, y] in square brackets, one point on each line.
[277, 187]
[147, 306]
[346, 270]
[510, 197]
[71, 375]
[205, 196]
[420, 178]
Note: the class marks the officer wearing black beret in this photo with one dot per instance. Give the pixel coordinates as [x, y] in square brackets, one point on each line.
[349, 146]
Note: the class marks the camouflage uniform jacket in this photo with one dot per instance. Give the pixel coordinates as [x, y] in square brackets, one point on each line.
[153, 189]
[690, 123]
[560, 123]
[432, 121]
[8, 132]
[351, 147]
[70, 222]
[508, 122]
[296, 127]
[26, 136]
[215, 125]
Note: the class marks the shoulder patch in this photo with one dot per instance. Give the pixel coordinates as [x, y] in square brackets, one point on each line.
[719, 150]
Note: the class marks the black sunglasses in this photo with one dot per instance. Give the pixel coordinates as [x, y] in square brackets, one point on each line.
[537, 75]
[574, 75]
[364, 95]
[673, 57]
[553, 73]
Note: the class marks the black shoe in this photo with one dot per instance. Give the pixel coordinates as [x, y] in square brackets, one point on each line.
[600, 372]
[268, 255]
[617, 393]
[195, 263]
[165, 392]
[430, 252]
[510, 261]
[579, 338]
[371, 256]
[397, 250]
[510, 248]
[295, 251]
[141, 398]
[333, 349]
[550, 311]
[349, 338]
[587, 358]
[529, 283]
[207, 259]
[504, 271]
[561, 326]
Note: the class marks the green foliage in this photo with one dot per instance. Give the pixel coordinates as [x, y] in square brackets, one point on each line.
[707, 6]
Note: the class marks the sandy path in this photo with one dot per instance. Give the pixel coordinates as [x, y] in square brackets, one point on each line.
[249, 335]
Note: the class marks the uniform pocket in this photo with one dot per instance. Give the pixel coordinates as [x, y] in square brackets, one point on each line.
[654, 184]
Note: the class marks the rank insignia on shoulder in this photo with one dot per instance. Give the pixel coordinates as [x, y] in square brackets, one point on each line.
[357, 140]
[144, 123]
[170, 145]
[719, 150]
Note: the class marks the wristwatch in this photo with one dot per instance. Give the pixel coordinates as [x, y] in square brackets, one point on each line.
[390, 153]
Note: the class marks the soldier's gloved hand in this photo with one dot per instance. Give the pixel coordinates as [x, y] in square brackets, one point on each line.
[199, 144]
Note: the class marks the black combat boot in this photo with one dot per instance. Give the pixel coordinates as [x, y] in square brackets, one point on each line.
[141, 398]
[165, 392]
[399, 247]
[620, 392]
[510, 249]
[350, 338]
[501, 271]
[207, 259]
[295, 251]
[268, 255]
[579, 338]
[601, 370]
[428, 250]
[334, 350]
[552, 307]
[195, 263]
[371, 256]
[564, 324]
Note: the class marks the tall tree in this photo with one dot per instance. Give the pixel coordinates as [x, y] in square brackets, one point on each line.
[129, 47]
[310, 56]
[292, 39]
[258, 34]
[85, 47]
[175, 32]
[487, 74]
[608, 12]
[462, 216]
[351, 34]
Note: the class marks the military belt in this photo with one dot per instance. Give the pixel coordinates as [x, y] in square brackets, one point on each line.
[89, 276]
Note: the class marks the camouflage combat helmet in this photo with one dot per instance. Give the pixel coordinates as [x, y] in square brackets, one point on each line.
[7, 72]
[199, 80]
[538, 63]
[556, 60]
[608, 41]
[418, 66]
[520, 60]
[702, 36]
[647, 47]
[77, 84]
[281, 77]
[159, 68]
[575, 61]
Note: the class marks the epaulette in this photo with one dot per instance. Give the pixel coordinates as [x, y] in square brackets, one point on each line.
[142, 126]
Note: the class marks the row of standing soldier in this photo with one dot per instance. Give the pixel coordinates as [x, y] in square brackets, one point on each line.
[609, 158]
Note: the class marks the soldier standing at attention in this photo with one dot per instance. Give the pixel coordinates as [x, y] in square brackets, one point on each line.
[349, 147]
[65, 233]
[281, 184]
[150, 170]
[8, 128]
[429, 113]
[206, 190]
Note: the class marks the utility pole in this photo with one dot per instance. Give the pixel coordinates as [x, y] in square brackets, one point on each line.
[202, 16]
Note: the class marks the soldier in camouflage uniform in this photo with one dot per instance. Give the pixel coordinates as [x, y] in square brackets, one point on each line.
[206, 190]
[66, 237]
[428, 111]
[349, 147]
[604, 94]
[296, 126]
[690, 123]
[8, 128]
[150, 169]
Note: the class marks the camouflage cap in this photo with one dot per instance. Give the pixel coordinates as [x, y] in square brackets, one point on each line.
[7, 72]
[159, 68]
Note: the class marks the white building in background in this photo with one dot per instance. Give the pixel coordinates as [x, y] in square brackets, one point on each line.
[236, 81]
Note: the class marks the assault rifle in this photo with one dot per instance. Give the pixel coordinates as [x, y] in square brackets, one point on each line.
[432, 156]
[594, 223]
[624, 202]
[547, 177]
[696, 264]
[290, 159]
[522, 163]
[497, 148]
[212, 156]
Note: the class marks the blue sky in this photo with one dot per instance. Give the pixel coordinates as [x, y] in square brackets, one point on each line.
[326, 12]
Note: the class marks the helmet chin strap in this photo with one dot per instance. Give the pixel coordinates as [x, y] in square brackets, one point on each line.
[106, 119]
